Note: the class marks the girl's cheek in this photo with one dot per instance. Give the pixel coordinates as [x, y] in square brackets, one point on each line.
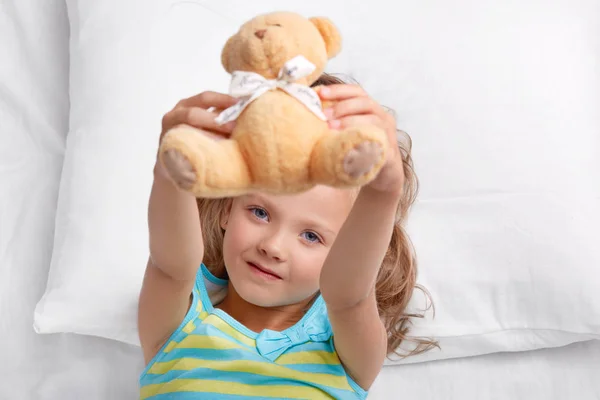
[313, 266]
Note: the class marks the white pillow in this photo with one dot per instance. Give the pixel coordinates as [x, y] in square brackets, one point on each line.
[504, 124]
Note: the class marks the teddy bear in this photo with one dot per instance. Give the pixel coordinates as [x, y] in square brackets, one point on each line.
[281, 142]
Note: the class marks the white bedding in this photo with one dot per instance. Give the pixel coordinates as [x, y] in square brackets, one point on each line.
[65, 367]
[33, 123]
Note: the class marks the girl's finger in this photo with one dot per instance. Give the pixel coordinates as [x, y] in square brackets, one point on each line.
[208, 99]
[356, 120]
[196, 117]
[340, 91]
[353, 106]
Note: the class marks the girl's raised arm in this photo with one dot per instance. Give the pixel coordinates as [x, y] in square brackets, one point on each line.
[350, 271]
[175, 232]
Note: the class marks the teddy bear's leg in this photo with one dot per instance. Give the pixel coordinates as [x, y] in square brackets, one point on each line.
[351, 157]
[204, 166]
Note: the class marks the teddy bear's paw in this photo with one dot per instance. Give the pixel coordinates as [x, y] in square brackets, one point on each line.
[179, 168]
[361, 159]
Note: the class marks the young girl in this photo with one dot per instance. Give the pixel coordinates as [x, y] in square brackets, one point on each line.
[291, 296]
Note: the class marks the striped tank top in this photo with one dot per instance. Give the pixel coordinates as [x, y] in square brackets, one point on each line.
[213, 356]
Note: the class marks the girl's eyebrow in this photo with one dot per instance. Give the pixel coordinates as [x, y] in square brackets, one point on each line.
[261, 199]
[258, 198]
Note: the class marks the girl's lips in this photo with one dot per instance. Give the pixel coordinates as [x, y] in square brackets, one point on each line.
[259, 269]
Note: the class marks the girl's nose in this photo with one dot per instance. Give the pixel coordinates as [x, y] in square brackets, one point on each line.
[272, 247]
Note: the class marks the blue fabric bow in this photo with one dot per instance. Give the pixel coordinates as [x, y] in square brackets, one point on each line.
[271, 344]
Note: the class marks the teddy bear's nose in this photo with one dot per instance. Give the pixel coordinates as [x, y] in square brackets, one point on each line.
[260, 33]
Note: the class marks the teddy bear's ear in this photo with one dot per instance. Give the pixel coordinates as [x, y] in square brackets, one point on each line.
[226, 53]
[330, 34]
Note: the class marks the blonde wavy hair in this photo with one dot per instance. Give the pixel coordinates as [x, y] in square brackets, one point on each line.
[397, 276]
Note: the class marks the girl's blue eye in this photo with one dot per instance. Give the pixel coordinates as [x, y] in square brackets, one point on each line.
[311, 237]
[259, 213]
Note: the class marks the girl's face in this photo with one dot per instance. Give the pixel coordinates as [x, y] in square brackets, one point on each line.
[275, 246]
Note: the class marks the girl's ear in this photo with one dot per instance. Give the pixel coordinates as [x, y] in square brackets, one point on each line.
[224, 219]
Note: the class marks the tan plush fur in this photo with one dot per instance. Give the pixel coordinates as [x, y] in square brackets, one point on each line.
[278, 144]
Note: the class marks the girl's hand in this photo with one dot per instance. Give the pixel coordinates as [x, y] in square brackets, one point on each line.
[199, 111]
[353, 106]
[194, 111]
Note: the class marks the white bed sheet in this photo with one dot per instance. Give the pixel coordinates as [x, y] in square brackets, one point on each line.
[65, 367]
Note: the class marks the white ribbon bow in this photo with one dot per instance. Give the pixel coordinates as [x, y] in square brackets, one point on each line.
[250, 85]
